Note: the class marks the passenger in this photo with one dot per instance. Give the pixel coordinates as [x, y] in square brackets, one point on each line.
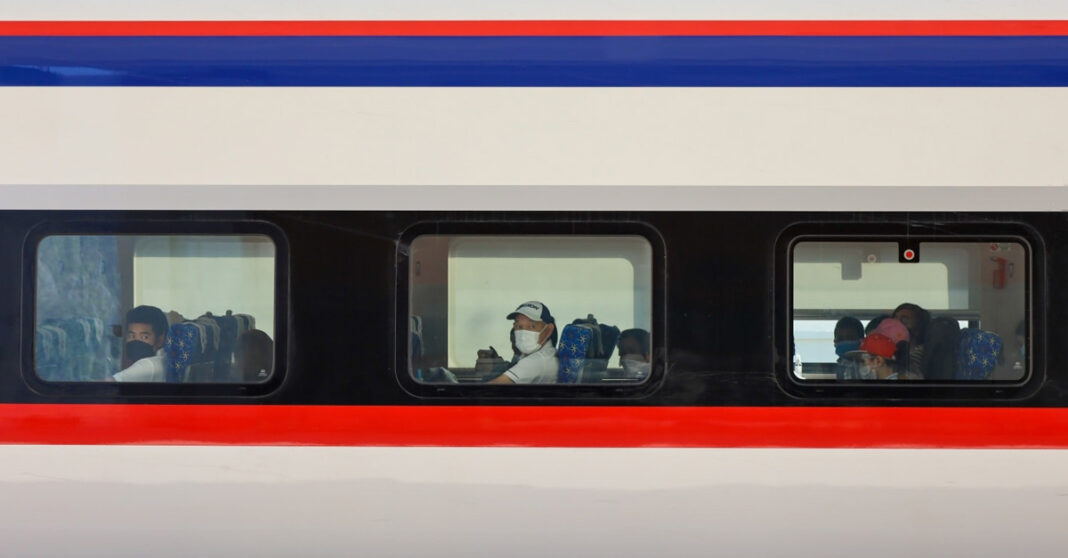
[878, 354]
[635, 353]
[535, 339]
[1015, 359]
[899, 334]
[916, 319]
[848, 333]
[254, 356]
[146, 332]
[874, 323]
[941, 349]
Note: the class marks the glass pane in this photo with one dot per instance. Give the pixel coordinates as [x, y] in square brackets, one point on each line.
[955, 312]
[464, 288]
[159, 308]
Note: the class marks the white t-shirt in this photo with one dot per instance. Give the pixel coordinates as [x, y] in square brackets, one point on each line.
[539, 367]
[145, 370]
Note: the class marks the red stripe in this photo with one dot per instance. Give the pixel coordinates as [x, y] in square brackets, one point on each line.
[807, 427]
[533, 28]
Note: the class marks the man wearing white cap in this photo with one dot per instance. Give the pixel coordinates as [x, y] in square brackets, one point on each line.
[535, 338]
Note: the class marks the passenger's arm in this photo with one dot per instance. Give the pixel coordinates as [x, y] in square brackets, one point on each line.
[502, 379]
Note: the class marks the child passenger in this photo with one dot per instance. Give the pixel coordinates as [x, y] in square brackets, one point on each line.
[877, 355]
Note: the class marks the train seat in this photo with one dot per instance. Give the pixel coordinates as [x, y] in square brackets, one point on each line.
[182, 347]
[977, 354]
[571, 350]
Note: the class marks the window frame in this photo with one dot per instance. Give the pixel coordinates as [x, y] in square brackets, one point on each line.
[531, 393]
[118, 226]
[911, 234]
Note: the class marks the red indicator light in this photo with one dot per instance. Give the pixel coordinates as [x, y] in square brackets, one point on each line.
[909, 254]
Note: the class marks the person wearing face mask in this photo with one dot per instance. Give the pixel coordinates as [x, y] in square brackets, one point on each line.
[535, 340]
[848, 333]
[878, 353]
[635, 355]
[146, 332]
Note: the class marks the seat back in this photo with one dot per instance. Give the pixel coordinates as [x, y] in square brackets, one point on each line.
[181, 348]
[571, 350]
[977, 354]
[603, 339]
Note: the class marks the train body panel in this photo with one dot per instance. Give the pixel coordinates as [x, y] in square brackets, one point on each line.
[217, 501]
[645, 137]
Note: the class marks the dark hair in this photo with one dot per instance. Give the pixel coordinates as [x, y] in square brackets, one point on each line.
[253, 352]
[850, 323]
[923, 317]
[641, 335]
[940, 351]
[150, 315]
[901, 360]
[874, 323]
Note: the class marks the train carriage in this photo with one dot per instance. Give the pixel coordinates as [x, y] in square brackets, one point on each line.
[375, 188]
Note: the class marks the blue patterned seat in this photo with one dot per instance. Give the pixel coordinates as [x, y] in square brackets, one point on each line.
[182, 346]
[978, 354]
[571, 350]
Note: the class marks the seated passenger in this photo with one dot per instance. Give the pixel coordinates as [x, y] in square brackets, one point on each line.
[146, 332]
[635, 353]
[535, 339]
[915, 319]
[899, 334]
[848, 333]
[254, 356]
[877, 352]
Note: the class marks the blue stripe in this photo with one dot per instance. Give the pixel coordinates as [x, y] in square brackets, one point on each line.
[535, 61]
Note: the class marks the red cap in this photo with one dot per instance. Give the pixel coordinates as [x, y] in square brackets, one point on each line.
[879, 345]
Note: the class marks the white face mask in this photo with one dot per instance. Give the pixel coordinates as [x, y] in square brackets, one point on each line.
[636, 368]
[527, 341]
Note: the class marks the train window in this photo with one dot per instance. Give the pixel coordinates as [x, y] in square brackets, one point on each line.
[936, 311]
[530, 309]
[155, 308]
